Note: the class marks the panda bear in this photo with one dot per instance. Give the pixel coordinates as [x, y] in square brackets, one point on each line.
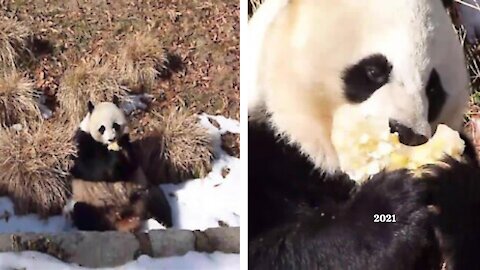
[109, 188]
[396, 60]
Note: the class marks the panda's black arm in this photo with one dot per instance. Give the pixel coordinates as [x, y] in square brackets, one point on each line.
[126, 161]
[347, 237]
[94, 162]
[283, 182]
[86, 145]
[91, 160]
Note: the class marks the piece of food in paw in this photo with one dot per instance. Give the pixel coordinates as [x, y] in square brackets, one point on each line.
[114, 146]
[128, 224]
[365, 146]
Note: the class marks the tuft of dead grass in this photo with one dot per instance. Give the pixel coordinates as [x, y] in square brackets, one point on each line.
[17, 99]
[90, 80]
[34, 166]
[141, 60]
[13, 39]
[175, 148]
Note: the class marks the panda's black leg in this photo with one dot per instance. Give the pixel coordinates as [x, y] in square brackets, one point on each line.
[90, 218]
[352, 236]
[158, 206]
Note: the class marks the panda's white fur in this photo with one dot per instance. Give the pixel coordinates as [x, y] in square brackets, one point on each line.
[299, 49]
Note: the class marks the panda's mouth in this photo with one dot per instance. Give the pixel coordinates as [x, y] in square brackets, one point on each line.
[406, 135]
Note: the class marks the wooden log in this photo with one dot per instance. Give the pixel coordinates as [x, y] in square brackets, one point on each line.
[109, 249]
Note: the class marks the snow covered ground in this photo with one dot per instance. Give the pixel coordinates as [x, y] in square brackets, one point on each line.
[29, 260]
[196, 205]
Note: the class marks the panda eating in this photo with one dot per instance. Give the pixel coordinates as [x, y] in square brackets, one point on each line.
[109, 188]
[399, 61]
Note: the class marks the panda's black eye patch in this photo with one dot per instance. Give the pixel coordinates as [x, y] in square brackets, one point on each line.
[101, 129]
[436, 95]
[365, 77]
[116, 127]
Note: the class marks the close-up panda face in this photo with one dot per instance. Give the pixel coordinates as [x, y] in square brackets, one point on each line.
[411, 72]
[398, 60]
[106, 123]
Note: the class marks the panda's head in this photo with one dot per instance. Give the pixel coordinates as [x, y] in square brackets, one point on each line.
[399, 60]
[105, 122]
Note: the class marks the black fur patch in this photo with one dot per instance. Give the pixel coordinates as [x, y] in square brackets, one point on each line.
[436, 96]
[345, 236]
[95, 162]
[284, 183]
[90, 218]
[364, 78]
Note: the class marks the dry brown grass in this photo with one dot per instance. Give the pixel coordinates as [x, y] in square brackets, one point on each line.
[175, 148]
[141, 60]
[17, 104]
[34, 165]
[13, 39]
[91, 80]
[204, 36]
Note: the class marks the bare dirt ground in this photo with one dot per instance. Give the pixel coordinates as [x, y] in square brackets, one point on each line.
[203, 34]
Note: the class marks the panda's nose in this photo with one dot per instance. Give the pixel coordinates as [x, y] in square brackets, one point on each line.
[111, 140]
[406, 135]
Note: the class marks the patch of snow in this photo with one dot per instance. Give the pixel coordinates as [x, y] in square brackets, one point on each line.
[203, 203]
[226, 124]
[30, 260]
[28, 223]
[196, 204]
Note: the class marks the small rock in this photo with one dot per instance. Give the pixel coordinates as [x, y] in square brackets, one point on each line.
[225, 171]
[17, 127]
[6, 216]
[214, 122]
[223, 224]
[45, 111]
[231, 144]
[172, 242]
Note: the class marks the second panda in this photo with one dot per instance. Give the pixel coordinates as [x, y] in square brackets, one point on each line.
[109, 188]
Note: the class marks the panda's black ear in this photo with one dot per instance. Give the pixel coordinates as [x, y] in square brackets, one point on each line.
[90, 107]
[116, 100]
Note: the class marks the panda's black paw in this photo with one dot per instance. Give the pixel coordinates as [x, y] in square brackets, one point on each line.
[87, 217]
[455, 195]
[386, 218]
[395, 194]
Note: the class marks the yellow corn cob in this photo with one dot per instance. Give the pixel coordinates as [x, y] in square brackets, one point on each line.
[365, 147]
[114, 146]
